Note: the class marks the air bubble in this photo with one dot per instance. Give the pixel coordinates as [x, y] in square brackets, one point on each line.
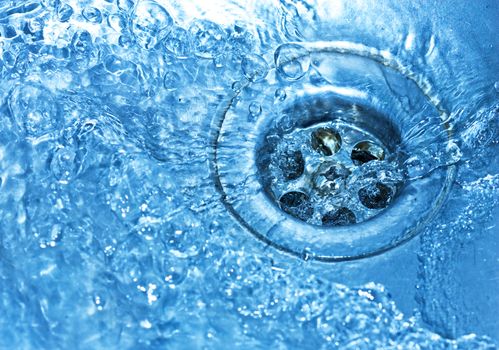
[64, 13]
[208, 37]
[241, 41]
[375, 196]
[254, 67]
[125, 41]
[255, 109]
[171, 80]
[8, 59]
[280, 94]
[335, 172]
[99, 301]
[496, 86]
[292, 61]
[124, 5]
[236, 86]
[34, 110]
[35, 25]
[63, 165]
[81, 44]
[116, 22]
[179, 42]
[92, 15]
[150, 23]
[115, 65]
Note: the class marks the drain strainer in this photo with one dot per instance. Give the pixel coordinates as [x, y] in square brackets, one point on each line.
[318, 172]
[317, 166]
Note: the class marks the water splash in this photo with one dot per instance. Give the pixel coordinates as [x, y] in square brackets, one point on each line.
[106, 193]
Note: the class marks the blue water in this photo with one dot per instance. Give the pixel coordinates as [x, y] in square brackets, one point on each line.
[114, 234]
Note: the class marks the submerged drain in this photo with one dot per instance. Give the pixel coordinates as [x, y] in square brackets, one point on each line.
[316, 172]
[322, 170]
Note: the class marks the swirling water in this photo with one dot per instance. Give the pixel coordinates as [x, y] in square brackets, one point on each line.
[112, 233]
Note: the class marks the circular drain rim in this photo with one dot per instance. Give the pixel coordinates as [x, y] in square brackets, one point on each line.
[382, 58]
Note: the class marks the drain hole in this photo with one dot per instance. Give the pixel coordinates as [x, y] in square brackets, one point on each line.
[296, 204]
[326, 141]
[292, 165]
[375, 196]
[365, 151]
[340, 217]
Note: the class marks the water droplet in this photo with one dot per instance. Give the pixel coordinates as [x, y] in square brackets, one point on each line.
[34, 110]
[125, 5]
[307, 254]
[92, 14]
[99, 301]
[125, 40]
[35, 25]
[208, 37]
[241, 40]
[116, 22]
[63, 165]
[81, 44]
[453, 153]
[254, 67]
[255, 109]
[150, 23]
[64, 13]
[237, 86]
[171, 81]
[280, 94]
[292, 61]
[179, 42]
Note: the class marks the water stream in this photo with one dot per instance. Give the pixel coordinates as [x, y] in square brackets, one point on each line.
[248, 174]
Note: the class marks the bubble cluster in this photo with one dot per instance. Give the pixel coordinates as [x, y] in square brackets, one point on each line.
[208, 38]
[150, 23]
[179, 42]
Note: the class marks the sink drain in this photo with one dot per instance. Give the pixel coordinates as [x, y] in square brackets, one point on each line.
[316, 170]
[320, 171]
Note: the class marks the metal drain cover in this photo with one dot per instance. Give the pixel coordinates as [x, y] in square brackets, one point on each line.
[320, 171]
